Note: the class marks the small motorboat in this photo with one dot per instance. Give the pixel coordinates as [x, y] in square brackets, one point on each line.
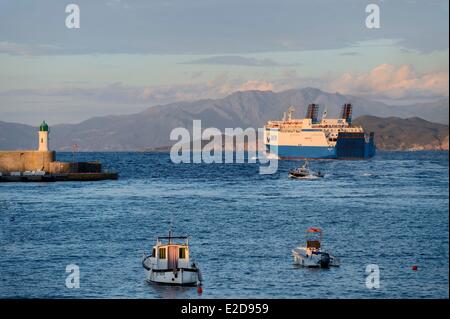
[312, 255]
[170, 262]
[300, 172]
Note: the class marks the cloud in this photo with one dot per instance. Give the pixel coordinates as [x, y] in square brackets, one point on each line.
[351, 53]
[256, 85]
[77, 101]
[116, 93]
[222, 27]
[196, 75]
[118, 4]
[234, 60]
[27, 49]
[384, 80]
[290, 73]
[394, 82]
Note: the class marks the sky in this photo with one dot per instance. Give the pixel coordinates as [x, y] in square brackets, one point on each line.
[130, 55]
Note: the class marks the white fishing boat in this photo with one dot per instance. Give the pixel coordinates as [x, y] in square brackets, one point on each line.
[170, 262]
[313, 255]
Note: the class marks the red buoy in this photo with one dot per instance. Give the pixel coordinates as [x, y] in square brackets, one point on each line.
[414, 267]
[199, 290]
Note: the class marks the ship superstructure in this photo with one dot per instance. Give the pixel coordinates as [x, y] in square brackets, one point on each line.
[311, 138]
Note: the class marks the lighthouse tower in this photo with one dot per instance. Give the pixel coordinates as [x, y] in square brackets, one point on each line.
[43, 137]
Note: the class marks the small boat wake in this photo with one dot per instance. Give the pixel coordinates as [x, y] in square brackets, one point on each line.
[369, 175]
[309, 177]
[271, 156]
[265, 156]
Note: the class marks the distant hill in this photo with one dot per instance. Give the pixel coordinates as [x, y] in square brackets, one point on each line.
[411, 134]
[15, 136]
[436, 111]
[151, 128]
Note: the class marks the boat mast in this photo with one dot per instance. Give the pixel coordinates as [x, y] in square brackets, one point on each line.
[291, 110]
[170, 232]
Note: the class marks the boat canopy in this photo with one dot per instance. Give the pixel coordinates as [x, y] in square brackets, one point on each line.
[313, 237]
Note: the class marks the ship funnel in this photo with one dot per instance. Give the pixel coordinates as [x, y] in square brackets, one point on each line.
[346, 113]
[312, 112]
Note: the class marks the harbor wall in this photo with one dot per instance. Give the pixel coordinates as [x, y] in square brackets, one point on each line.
[20, 161]
[78, 167]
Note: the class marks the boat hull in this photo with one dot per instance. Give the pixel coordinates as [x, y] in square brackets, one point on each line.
[294, 176]
[348, 146]
[301, 258]
[286, 152]
[180, 276]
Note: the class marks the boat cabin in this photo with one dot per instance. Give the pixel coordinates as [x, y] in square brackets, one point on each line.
[169, 254]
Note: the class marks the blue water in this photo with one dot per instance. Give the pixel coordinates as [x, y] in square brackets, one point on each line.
[391, 211]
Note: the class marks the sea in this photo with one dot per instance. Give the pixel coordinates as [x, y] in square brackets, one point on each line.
[381, 217]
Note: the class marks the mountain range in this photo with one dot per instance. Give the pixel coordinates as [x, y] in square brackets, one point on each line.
[396, 127]
[412, 134]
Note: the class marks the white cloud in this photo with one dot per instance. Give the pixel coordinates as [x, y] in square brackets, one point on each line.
[237, 60]
[395, 82]
[27, 49]
[385, 80]
[256, 85]
[223, 27]
[233, 60]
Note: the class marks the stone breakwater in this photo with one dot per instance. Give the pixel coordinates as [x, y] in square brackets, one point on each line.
[23, 161]
[40, 166]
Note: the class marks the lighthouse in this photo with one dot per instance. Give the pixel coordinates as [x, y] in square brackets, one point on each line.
[43, 137]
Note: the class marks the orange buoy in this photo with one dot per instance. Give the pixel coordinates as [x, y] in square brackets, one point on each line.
[414, 267]
[199, 290]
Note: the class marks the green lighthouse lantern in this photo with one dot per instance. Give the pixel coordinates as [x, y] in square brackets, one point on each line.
[43, 127]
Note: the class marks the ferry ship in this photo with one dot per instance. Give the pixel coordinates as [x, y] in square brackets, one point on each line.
[311, 138]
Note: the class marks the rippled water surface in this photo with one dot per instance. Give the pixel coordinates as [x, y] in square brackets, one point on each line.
[391, 211]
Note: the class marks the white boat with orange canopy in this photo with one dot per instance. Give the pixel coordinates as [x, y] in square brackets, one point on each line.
[312, 255]
[170, 262]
